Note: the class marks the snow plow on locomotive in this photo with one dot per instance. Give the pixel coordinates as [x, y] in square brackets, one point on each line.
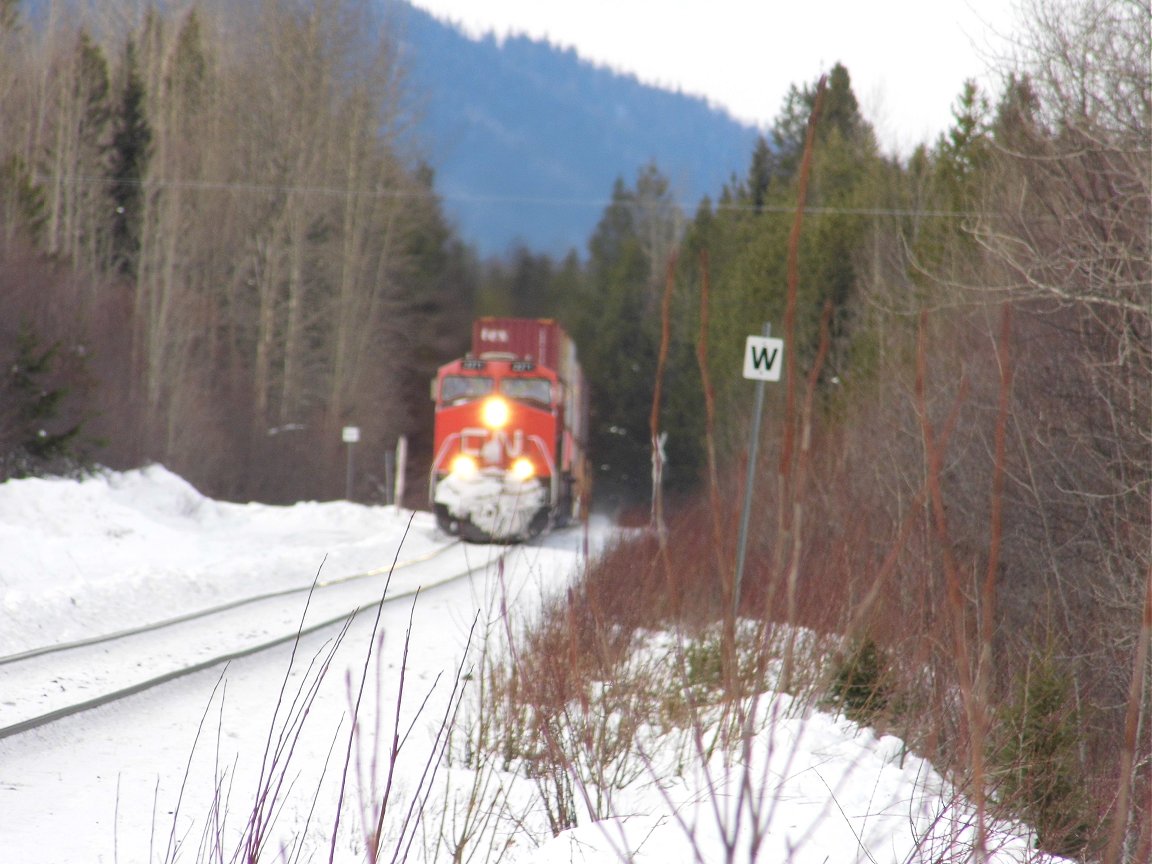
[509, 442]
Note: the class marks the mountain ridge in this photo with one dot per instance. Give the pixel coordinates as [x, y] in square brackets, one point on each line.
[526, 139]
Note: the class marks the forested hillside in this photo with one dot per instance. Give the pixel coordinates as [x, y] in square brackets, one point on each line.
[527, 138]
[213, 253]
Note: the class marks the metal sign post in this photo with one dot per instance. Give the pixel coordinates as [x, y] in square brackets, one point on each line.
[351, 434]
[763, 360]
[401, 469]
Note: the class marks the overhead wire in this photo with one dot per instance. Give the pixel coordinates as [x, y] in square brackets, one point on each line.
[474, 198]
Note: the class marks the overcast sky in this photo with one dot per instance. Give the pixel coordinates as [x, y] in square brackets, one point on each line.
[908, 58]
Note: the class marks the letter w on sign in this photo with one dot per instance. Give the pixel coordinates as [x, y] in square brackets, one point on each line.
[763, 358]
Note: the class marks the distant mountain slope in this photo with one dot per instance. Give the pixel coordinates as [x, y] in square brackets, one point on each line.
[526, 139]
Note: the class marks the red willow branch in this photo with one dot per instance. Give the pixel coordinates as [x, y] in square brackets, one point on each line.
[789, 432]
[724, 567]
[710, 423]
[968, 674]
[788, 504]
[803, 463]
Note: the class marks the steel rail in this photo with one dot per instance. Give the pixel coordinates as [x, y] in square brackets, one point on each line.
[208, 612]
[297, 633]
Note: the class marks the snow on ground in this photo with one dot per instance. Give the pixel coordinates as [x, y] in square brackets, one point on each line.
[135, 781]
[113, 545]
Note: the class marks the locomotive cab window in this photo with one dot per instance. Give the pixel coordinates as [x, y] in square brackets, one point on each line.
[464, 388]
[527, 389]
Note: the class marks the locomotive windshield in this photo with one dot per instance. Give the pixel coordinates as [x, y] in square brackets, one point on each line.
[464, 388]
[527, 389]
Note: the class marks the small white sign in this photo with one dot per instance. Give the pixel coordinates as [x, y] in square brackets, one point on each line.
[351, 434]
[763, 358]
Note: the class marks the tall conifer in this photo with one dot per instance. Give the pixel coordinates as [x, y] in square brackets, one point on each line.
[131, 145]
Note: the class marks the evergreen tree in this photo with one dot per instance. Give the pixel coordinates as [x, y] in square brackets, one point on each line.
[760, 174]
[188, 79]
[965, 149]
[22, 205]
[131, 145]
[91, 85]
[840, 116]
[618, 351]
[617, 324]
[953, 173]
[31, 443]
[522, 286]
[83, 218]
[841, 110]
[788, 131]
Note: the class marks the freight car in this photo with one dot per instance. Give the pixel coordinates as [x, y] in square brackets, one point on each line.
[511, 424]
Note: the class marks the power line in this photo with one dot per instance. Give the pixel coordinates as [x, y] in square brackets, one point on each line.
[546, 200]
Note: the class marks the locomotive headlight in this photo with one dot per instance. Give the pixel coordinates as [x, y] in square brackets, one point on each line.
[522, 469]
[463, 466]
[495, 413]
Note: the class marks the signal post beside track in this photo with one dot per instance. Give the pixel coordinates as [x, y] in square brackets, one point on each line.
[763, 361]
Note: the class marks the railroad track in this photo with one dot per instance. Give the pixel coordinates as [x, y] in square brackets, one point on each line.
[209, 611]
[37, 685]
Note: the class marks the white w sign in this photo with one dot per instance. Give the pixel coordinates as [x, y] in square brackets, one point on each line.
[763, 358]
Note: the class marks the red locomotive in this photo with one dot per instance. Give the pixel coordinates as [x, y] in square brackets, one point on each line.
[511, 424]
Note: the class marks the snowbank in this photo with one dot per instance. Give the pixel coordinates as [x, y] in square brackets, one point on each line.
[78, 557]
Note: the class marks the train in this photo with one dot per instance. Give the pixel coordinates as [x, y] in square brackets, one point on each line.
[510, 438]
